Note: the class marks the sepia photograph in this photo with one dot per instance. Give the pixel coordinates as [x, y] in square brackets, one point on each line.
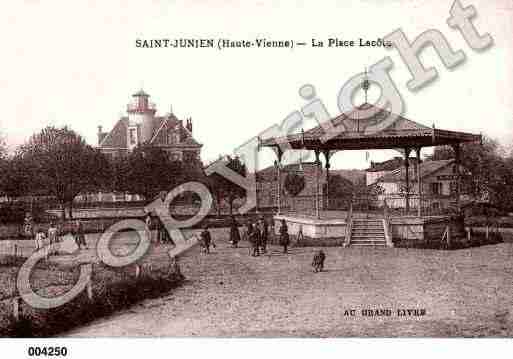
[271, 170]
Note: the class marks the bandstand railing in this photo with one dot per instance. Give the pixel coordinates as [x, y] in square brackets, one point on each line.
[349, 225]
[386, 225]
[373, 205]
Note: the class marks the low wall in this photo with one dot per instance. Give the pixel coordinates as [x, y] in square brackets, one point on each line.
[411, 228]
[425, 228]
[316, 232]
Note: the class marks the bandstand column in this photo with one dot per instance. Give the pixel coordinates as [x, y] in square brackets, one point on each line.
[419, 182]
[407, 177]
[277, 164]
[317, 167]
[457, 156]
[327, 157]
[257, 195]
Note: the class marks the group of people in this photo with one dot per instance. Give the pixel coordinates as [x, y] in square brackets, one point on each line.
[45, 239]
[258, 235]
[206, 240]
[162, 235]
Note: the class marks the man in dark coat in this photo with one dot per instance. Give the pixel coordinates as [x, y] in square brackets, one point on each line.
[234, 233]
[79, 235]
[264, 234]
[253, 238]
[284, 236]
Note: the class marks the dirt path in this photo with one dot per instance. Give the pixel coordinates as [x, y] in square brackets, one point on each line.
[228, 293]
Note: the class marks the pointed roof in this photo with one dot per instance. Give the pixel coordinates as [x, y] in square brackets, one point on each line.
[390, 165]
[140, 93]
[170, 122]
[117, 137]
[370, 127]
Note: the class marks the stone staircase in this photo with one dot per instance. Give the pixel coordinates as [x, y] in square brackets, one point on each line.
[368, 232]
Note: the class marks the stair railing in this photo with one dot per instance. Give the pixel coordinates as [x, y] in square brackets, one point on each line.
[349, 224]
[446, 237]
[386, 225]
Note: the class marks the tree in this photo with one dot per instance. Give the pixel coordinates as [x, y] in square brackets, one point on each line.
[225, 190]
[340, 186]
[15, 176]
[294, 183]
[148, 172]
[62, 165]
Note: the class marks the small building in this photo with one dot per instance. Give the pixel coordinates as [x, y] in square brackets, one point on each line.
[379, 169]
[437, 178]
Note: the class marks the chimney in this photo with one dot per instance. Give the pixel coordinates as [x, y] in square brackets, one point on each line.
[100, 134]
[189, 124]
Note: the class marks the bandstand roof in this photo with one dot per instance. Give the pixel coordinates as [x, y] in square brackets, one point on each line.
[350, 131]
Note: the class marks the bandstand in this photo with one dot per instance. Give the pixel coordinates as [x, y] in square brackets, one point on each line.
[372, 223]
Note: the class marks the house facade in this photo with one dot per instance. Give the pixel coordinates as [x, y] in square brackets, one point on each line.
[141, 125]
[438, 181]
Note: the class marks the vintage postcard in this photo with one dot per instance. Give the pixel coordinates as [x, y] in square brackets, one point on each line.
[256, 169]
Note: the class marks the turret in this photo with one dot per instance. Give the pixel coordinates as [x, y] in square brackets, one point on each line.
[141, 114]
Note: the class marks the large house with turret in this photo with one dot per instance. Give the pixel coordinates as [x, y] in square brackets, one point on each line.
[141, 125]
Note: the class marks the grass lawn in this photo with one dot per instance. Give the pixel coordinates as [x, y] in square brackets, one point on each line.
[228, 293]
[60, 273]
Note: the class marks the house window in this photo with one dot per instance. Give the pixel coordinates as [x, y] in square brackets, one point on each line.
[173, 137]
[436, 188]
[453, 187]
[133, 136]
[189, 156]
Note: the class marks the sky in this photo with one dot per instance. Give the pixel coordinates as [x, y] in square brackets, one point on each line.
[76, 63]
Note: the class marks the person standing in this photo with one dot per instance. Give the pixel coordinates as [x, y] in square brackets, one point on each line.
[253, 239]
[79, 235]
[249, 229]
[206, 239]
[284, 236]
[148, 227]
[264, 233]
[160, 231]
[40, 238]
[53, 234]
[234, 233]
[28, 226]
